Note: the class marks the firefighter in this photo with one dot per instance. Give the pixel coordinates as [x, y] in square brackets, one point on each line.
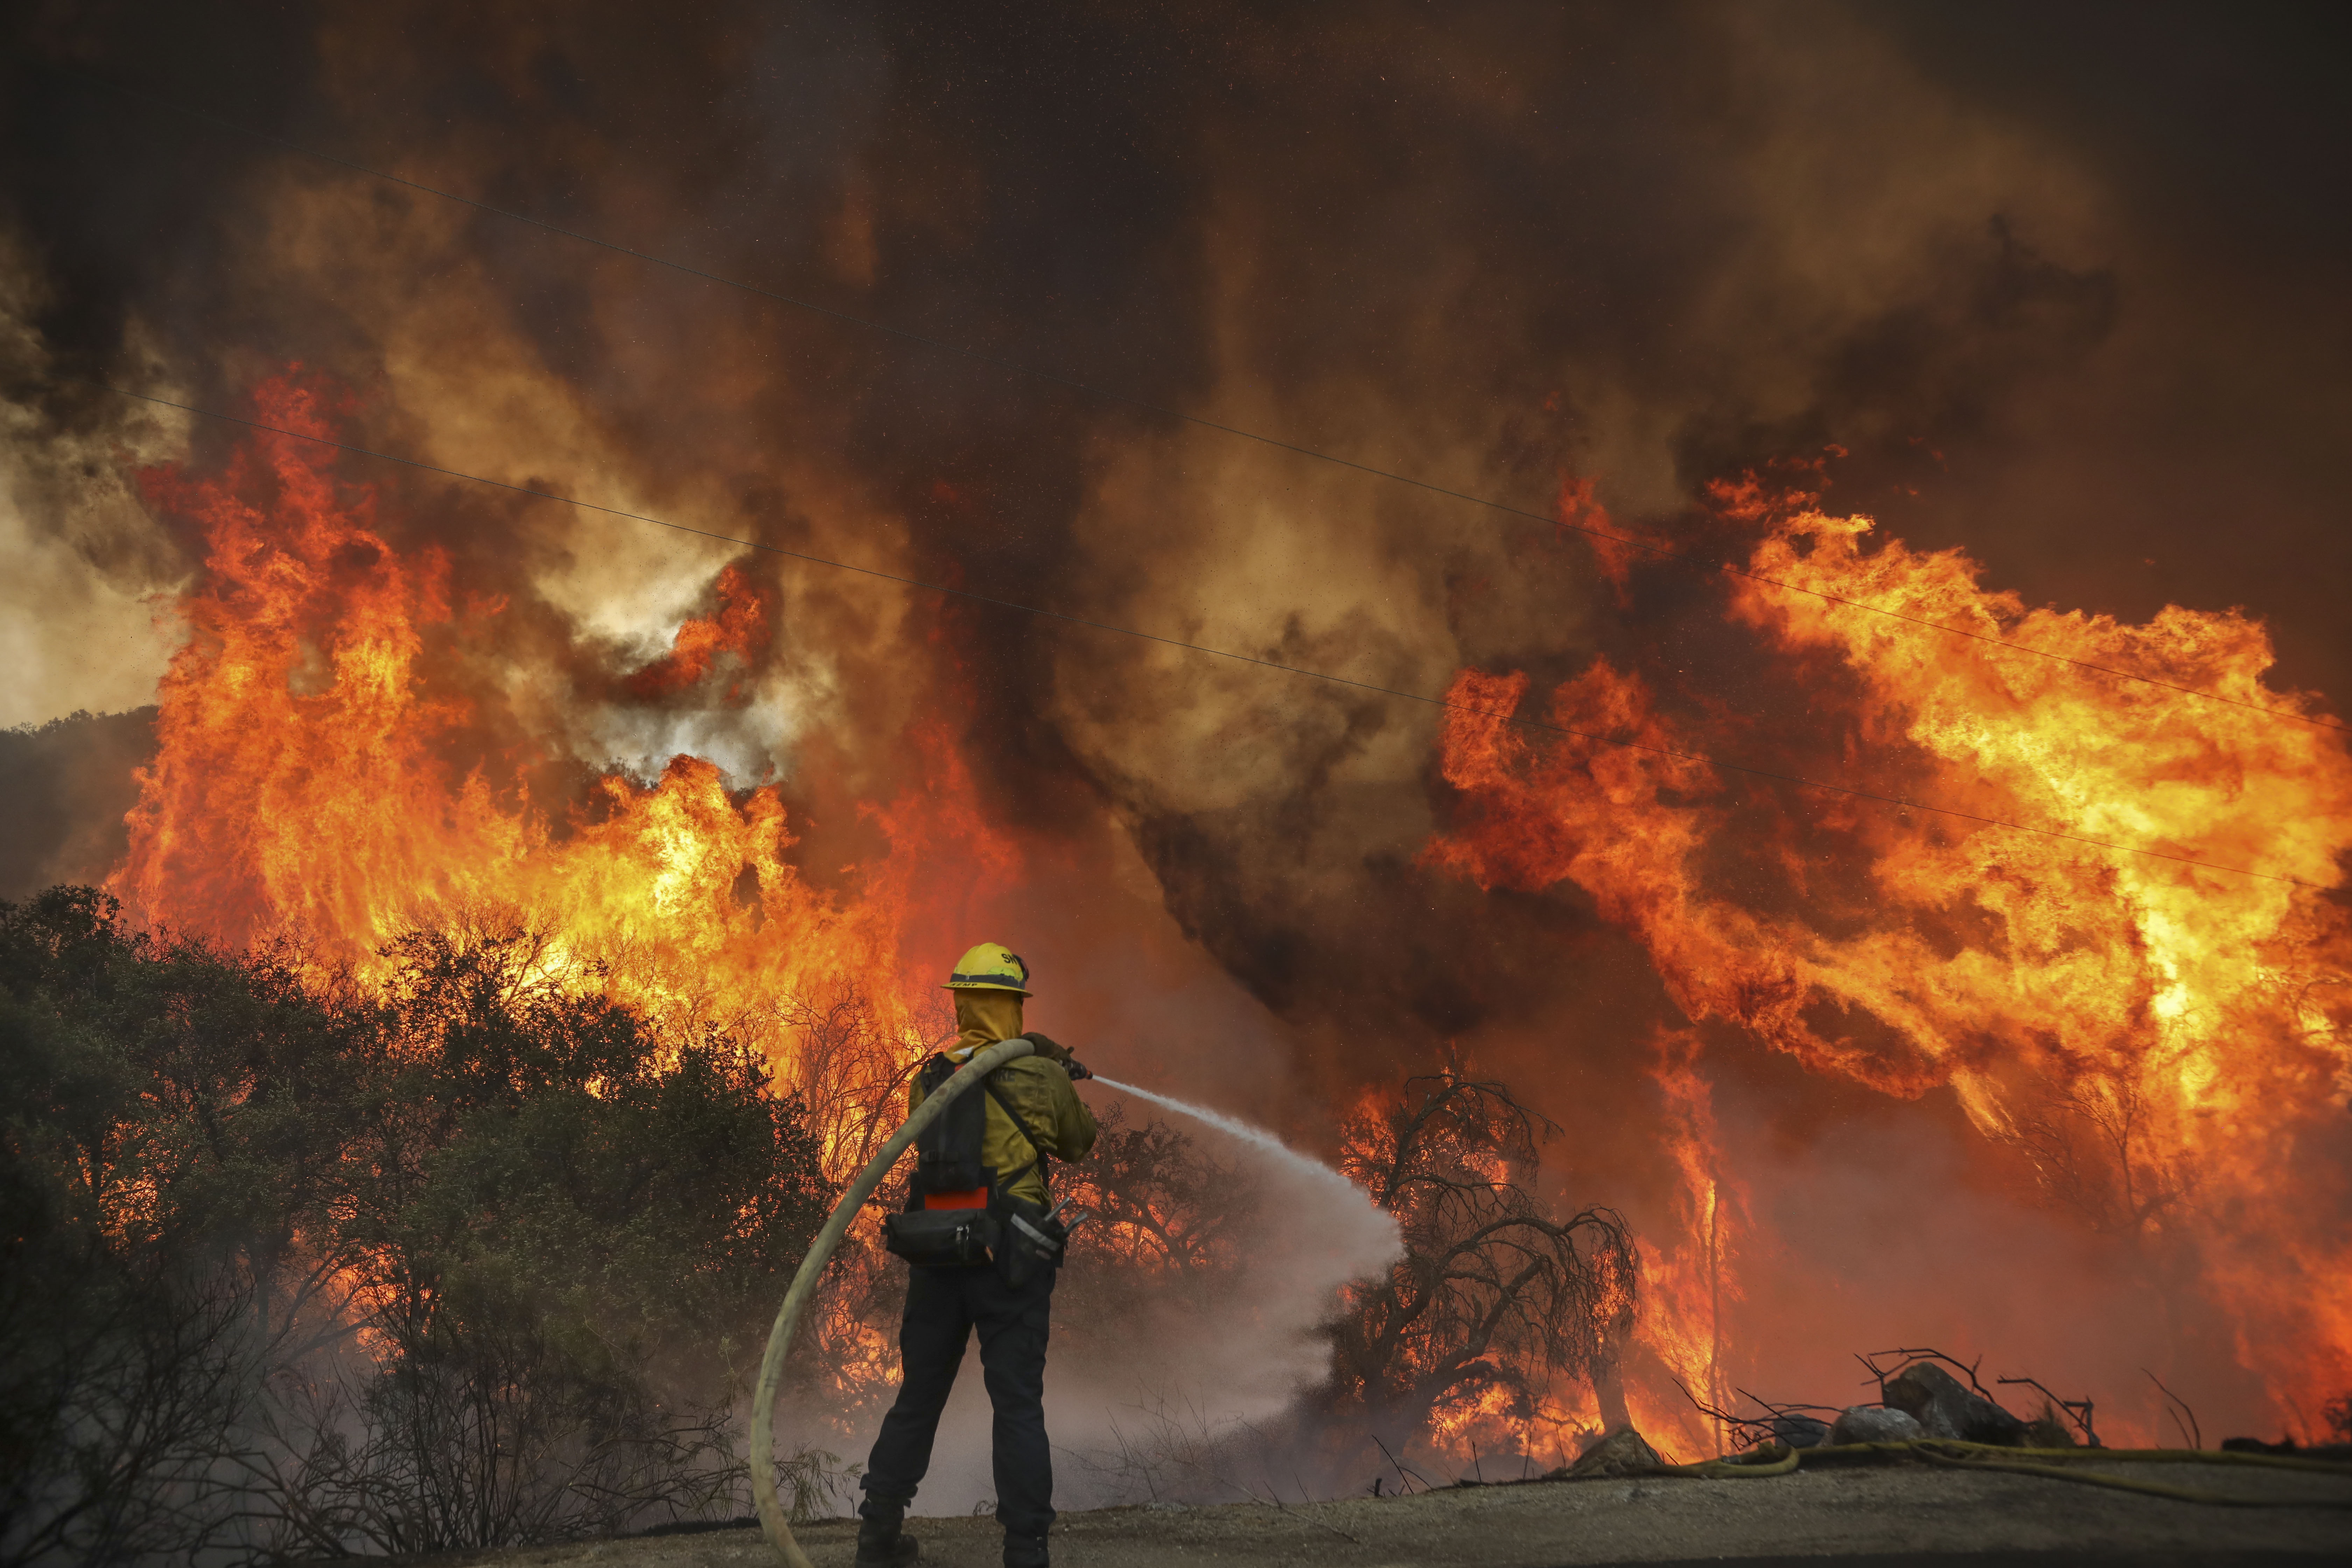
[1032, 1113]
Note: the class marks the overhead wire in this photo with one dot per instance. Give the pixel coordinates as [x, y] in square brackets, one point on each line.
[1664, 552]
[1043, 612]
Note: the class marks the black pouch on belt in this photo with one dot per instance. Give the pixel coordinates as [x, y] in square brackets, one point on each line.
[1031, 1242]
[942, 1238]
[1031, 1238]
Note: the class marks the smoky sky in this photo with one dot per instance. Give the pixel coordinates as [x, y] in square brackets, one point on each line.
[2066, 288]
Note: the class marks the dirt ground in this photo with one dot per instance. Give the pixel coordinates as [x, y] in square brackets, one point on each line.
[1887, 1514]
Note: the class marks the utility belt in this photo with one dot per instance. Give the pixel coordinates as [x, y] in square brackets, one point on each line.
[957, 1227]
[1021, 1239]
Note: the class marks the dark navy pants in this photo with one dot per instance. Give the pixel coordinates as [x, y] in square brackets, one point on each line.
[943, 1306]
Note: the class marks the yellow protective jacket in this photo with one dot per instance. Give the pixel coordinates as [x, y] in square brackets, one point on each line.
[1040, 1090]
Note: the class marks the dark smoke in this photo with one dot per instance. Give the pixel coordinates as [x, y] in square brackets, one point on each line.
[67, 784]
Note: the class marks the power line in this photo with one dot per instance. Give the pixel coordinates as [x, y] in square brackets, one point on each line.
[1301, 670]
[1664, 551]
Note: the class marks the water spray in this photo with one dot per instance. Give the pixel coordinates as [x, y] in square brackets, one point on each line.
[1255, 1137]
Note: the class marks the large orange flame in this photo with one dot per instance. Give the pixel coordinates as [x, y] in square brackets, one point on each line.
[2154, 1037]
[1689, 1276]
[741, 628]
[307, 773]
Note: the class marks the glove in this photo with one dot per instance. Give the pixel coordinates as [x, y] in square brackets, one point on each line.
[1050, 1048]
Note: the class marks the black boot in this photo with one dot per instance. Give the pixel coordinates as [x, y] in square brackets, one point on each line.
[1024, 1551]
[882, 1538]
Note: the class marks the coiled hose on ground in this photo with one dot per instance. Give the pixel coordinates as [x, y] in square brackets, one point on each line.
[1778, 1459]
[772, 1522]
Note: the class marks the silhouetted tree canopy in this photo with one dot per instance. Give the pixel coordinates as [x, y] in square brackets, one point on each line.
[306, 1266]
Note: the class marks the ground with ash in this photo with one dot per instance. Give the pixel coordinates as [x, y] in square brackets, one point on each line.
[1839, 1511]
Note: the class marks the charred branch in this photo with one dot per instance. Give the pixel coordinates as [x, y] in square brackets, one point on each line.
[1494, 1294]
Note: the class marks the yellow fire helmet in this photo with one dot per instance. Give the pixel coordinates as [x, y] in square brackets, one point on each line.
[991, 966]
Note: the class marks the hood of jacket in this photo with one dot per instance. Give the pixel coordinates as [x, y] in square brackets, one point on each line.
[983, 1018]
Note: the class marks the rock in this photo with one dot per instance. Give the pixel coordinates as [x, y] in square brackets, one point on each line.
[1876, 1424]
[1939, 1402]
[1800, 1431]
[1623, 1452]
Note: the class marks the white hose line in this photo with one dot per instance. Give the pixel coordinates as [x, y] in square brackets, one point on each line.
[773, 1523]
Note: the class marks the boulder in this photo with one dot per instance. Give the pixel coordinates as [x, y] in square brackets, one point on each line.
[1942, 1405]
[1623, 1452]
[1876, 1424]
[1800, 1431]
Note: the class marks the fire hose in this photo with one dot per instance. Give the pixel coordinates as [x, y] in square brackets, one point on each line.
[772, 1522]
[2056, 1464]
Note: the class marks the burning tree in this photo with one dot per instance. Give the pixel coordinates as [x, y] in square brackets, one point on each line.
[1166, 1250]
[2090, 1147]
[850, 1069]
[1163, 1210]
[1494, 1298]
